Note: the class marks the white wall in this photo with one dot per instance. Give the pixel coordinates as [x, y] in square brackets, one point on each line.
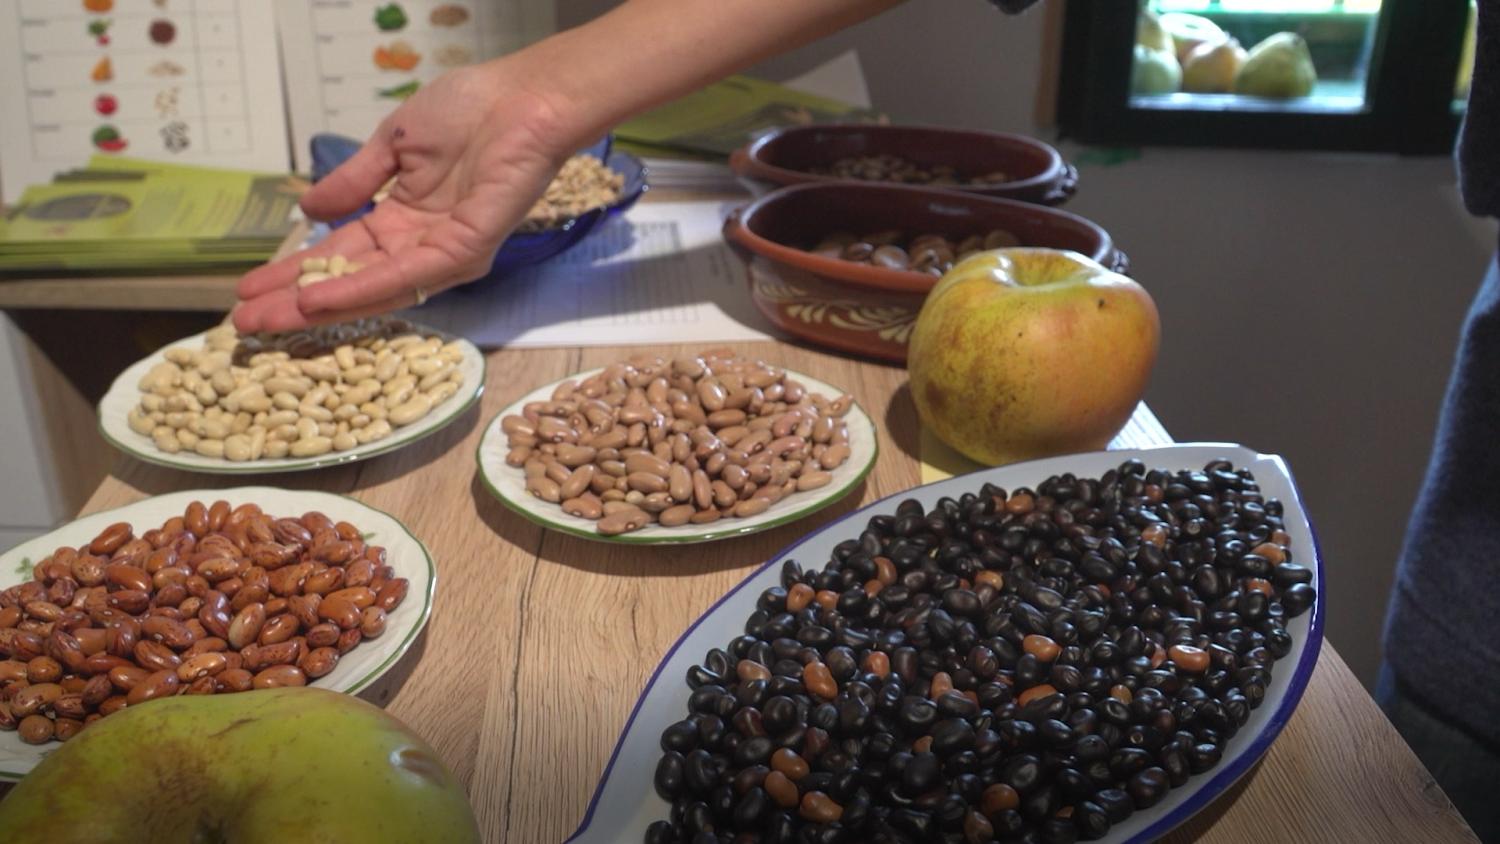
[29, 500]
[1310, 302]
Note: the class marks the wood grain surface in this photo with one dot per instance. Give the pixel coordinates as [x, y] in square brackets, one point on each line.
[539, 642]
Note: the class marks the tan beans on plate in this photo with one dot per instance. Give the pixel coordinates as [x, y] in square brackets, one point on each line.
[676, 442]
[187, 609]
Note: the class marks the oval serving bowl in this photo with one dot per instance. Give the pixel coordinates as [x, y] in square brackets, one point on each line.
[787, 156]
[508, 483]
[867, 310]
[355, 671]
[625, 802]
[124, 395]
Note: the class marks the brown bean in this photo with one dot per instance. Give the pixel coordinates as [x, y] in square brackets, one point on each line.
[43, 669]
[322, 635]
[36, 729]
[34, 698]
[96, 690]
[195, 519]
[206, 644]
[234, 680]
[360, 596]
[111, 538]
[278, 629]
[676, 516]
[14, 670]
[202, 665]
[834, 456]
[1188, 658]
[246, 625]
[170, 632]
[279, 676]
[623, 521]
[318, 662]
[587, 506]
[125, 677]
[819, 680]
[304, 608]
[158, 684]
[65, 648]
[372, 622]
[392, 594]
[348, 640]
[751, 507]
[820, 808]
[340, 611]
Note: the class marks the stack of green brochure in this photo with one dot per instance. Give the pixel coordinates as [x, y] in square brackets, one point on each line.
[716, 120]
[121, 215]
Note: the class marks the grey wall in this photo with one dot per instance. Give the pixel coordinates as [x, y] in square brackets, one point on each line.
[1310, 303]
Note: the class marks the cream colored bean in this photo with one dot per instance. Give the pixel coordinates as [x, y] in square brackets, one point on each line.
[431, 380]
[283, 433]
[277, 449]
[237, 448]
[315, 412]
[166, 440]
[327, 429]
[209, 447]
[312, 447]
[344, 357]
[344, 441]
[297, 386]
[284, 400]
[306, 428]
[359, 420]
[442, 393]
[139, 421]
[411, 411]
[385, 368]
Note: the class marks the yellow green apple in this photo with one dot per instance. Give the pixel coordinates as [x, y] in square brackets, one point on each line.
[288, 765]
[1024, 353]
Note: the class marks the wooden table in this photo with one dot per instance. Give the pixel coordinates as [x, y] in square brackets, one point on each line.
[539, 642]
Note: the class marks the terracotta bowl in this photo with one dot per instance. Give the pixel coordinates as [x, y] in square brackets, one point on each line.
[785, 157]
[868, 310]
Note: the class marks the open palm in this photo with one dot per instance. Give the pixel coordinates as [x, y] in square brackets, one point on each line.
[469, 155]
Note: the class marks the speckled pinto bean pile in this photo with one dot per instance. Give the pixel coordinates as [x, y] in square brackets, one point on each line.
[278, 406]
[216, 600]
[672, 442]
[1031, 666]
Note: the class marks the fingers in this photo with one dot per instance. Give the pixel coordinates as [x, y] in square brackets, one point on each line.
[354, 182]
[353, 239]
[273, 311]
[406, 270]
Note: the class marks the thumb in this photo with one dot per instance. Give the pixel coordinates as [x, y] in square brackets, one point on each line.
[354, 182]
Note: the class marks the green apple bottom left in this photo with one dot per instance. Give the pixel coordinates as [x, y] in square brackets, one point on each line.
[295, 764]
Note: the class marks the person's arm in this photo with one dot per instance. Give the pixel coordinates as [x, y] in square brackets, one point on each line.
[472, 150]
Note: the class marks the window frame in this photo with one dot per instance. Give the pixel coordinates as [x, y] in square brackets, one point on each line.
[1408, 98]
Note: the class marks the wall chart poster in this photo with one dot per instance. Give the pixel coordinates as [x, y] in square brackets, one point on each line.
[348, 63]
[188, 81]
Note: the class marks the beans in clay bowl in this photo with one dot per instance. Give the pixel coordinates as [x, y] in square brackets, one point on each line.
[847, 265]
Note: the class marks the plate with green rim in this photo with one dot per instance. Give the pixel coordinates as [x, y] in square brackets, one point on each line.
[508, 483]
[124, 395]
[355, 671]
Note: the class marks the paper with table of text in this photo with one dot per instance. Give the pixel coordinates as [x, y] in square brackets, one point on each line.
[350, 62]
[659, 274]
[186, 81]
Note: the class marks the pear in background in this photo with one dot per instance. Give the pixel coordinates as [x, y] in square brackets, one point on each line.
[1154, 72]
[1211, 67]
[1280, 66]
[1149, 33]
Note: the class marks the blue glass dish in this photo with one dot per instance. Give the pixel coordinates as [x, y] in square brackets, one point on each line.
[521, 249]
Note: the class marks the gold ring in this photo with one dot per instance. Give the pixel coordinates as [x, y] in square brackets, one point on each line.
[421, 297]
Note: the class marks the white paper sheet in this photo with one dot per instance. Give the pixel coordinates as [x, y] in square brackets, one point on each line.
[186, 81]
[328, 54]
[659, 274]
[840, 78]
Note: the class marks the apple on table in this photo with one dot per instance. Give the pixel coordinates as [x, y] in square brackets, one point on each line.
[1027, 352]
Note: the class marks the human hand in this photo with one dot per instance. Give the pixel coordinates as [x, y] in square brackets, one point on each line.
[470, 152]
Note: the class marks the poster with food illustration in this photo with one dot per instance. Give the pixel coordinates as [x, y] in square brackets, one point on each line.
[171, 80]
[349, 62]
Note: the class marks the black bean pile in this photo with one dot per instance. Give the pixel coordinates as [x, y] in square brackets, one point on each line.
[1030, 667]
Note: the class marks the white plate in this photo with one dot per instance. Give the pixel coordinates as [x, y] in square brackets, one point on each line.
[123, 395]
[355, 670]
[508, 483]
[625, 801]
